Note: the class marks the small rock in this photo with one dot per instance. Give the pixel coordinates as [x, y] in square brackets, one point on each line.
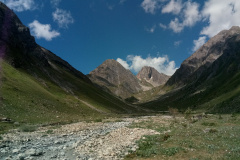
[6, 120]
[62, 154]
[39, 152]
[206, 130]
[54, 156]
[3, 151]
[3, 146]
[34, 152]
[134, 149]
[30, 152]
[21, 156]
[15, 151]
[16, 123]
[9, 158]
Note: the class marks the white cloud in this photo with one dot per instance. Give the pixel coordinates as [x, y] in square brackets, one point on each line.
[62, 17]
[220, 14]
[43, 30]
[173, 7]
[122, 1]
[55, 3]
[177, 43]
[191, 14]
[123, 63]
[110, 6]
[150, 6]
[162, 26]
[176, 26]
[188, 13]
[20, 5]
[152, 29]
[198, 43]
[161, 64]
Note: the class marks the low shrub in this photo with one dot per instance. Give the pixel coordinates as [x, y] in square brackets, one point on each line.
[98, 120]
[49, 131]
[166, 136]
[148, 146]
[188, 113]
[213, 130]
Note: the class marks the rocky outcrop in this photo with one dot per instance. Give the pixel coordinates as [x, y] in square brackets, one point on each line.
[112, 76]
[152, 76]
[193, 67]
[12, 32]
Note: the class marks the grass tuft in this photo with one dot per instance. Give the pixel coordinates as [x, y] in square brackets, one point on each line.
[209, 124]
[28, 128]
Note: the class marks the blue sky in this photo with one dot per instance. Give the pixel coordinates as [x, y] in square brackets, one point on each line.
[157, 33]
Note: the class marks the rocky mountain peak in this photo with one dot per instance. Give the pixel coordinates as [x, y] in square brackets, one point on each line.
[203, 57]
[152, 76]
[112, 76]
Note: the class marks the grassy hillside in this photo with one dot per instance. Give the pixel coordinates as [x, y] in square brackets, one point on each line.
[218, 95]
[216, 90]
[36, 99]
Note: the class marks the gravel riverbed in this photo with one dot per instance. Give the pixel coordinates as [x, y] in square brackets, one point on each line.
[80, 141]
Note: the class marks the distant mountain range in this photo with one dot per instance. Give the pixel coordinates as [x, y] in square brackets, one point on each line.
[113, 77]
[37, 86]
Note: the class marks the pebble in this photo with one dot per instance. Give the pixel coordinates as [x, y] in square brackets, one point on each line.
[15, 151]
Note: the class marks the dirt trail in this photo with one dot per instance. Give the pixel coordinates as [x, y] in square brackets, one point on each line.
[91, 106]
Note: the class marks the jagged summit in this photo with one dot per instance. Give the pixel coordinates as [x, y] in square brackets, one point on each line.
[152, 76]
[112, 76]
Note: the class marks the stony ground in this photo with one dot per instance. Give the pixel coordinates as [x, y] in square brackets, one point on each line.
[85, 141]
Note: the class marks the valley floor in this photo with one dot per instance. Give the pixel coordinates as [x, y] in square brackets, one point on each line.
[146, 137]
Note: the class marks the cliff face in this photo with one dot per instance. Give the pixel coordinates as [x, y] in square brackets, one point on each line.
[152, 76]
[203, 58]
[112, 76]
